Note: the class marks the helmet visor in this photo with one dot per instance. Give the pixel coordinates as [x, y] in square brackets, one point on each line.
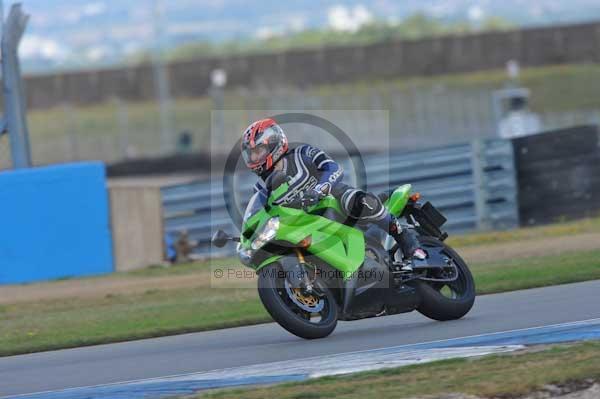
[255, 156]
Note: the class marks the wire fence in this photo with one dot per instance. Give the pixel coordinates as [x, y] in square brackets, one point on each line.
[419, 118]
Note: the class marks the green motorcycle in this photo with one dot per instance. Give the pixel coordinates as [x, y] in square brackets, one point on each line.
[316, 267]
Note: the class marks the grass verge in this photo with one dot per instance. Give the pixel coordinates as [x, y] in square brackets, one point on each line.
[504, 376]
[519, 274]
[591, 225]
[54, 324]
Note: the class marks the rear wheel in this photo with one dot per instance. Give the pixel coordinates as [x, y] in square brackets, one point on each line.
[308, 316]
[446, 300]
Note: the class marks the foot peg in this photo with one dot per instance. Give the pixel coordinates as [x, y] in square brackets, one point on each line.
[402, 267]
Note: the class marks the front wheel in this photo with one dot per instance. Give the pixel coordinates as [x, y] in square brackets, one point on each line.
[451, 300]
[306, 316]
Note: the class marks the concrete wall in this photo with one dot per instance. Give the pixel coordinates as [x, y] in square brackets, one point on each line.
[54, 223]
[558, 175]
[137, 226]
[443, 55]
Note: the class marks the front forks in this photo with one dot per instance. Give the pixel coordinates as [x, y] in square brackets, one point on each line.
[297, 273]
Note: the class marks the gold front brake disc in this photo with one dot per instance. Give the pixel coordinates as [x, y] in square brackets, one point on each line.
[307, 300]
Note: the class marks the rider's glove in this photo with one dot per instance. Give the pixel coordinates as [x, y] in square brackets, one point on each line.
[323, 188]
[311, 197]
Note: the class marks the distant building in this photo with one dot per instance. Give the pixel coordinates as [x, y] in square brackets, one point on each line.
[519, 120]
[514, 119]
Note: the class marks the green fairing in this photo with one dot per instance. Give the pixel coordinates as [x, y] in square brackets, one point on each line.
[398, 199]
[329, 202]
[268, 261]
[341, 246]
[278, 192]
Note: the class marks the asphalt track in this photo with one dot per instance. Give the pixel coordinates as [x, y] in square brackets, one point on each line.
[220, 349]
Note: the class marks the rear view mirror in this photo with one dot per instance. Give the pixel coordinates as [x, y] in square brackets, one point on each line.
[220, 238]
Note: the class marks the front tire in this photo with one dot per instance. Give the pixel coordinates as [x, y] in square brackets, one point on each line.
[294, 314]
[446, 301]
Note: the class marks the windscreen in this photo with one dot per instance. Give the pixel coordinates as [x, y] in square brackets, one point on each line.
[256, 203]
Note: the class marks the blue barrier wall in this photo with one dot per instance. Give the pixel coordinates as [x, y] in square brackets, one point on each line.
[54, 223]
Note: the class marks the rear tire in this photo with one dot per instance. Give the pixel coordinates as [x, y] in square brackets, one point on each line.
[436, 305]
[287, 314]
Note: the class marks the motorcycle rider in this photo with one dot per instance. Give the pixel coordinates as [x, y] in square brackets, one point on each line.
[312, 175]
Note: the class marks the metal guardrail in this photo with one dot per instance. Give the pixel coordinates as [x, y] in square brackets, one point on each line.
[473, 184]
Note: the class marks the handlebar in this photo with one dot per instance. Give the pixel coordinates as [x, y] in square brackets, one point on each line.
[304, 200]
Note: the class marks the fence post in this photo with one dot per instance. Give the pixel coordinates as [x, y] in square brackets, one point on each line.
[15, 110]
[123, 127]
[161, 79]
[72, 131]
[477, 162]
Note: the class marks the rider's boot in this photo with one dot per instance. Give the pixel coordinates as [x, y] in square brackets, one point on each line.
[408, 242]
